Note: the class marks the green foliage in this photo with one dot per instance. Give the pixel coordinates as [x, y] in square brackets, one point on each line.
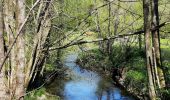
[130, 18]
[165, 94]
[95, 60]
[130, 58]
[40, 94]
[136, 76]
[165, 51]
[137, 81]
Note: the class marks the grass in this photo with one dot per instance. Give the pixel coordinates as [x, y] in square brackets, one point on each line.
[165, 52]
[135, 77]
[40, 94]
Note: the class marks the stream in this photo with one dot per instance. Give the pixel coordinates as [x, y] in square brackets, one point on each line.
[88, 85]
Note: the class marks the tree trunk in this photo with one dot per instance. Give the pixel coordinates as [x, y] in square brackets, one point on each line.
[20, 75]
[97, 21]
[9, 21]
[14, 18]
[37, 56]
[148, 47]
[3, 81]
[116, 21]
[109, 42]
[140, 41]
[155, 68]
[156, 41]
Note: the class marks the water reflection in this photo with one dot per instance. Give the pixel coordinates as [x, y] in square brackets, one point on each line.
[80, 90]
[112, 94]
[87, 85]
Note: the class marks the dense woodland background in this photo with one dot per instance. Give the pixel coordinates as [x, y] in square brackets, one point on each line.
[128, 37]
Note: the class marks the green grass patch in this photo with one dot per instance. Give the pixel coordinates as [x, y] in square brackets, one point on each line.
[40, 94]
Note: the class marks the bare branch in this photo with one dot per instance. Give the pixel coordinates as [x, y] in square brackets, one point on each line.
[18, 33]
[79, 42]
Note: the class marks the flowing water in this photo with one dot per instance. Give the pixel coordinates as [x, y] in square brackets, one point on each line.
[88, 85]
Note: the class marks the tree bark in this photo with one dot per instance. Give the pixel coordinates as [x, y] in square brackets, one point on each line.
[14, 21]
[155, 68]
[20, 59]
[39, 40]
[156, 41]
[148, 46]
[9, 22]
[98, 28]
[109, 42]
[3, 81]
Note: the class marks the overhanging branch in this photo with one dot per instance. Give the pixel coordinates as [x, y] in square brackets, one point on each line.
[104, 39]
[97, 40]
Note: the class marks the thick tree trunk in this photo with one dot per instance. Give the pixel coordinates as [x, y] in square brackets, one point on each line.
[156, 41]
[148, 47]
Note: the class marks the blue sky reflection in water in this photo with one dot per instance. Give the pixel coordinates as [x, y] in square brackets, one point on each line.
[85, 85]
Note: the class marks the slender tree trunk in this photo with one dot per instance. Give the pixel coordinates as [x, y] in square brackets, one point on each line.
[20, 75]
[9, 21]
[3, 81]
[97, 21]
[109, 42]
[60, 33]
[148, 47]
[156, 41]
[155, 68]
[37, 57]
[140, 41]
[116, 21]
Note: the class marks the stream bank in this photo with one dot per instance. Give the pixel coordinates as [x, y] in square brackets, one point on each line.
[89, 85]
[82, 84]
[125, 75]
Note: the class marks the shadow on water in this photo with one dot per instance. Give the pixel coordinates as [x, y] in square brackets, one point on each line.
[88, 85]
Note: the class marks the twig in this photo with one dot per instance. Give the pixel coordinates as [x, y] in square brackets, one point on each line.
[18, 33]
[104, 39]
[97, 40]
